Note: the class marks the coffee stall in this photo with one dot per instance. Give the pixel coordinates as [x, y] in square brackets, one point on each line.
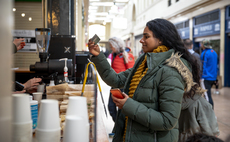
[59, 62]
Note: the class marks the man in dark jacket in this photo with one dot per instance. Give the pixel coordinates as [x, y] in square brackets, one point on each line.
[189, 45]
[209, 59]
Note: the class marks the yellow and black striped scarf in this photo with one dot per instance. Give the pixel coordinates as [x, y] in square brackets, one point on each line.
[138, 75]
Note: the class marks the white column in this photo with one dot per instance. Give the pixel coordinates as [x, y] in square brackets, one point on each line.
[79, 23]
[191, 28]
[222, 40]
[6, 54]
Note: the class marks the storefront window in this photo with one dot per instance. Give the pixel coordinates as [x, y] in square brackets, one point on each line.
[207, 18]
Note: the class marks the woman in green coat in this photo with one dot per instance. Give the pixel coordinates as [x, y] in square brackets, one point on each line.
[154, 87]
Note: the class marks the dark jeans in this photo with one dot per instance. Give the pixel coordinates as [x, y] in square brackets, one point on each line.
[208, 85]
[112, 107]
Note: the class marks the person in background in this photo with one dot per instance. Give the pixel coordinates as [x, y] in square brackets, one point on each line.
[31, 85]
[189, 45]
[154, 87]
[18, 44]
[209, 73]
[121, 60]
[199, 137]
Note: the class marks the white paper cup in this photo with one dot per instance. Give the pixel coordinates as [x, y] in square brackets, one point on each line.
[48, 119]
[37, 96]
[47, 136]
[75, 130]
[77, 106]
[22, 132]
[41, 88]
[21, 109]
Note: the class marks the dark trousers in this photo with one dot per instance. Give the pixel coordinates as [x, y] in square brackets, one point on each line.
[112, 107]
[208, 85]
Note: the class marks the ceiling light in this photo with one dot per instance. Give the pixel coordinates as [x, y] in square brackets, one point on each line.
[23, 14]
[101, 3]
[14, 9]
[104, 23]
[92, 10]
[30, 19]
[99, 13]
[93, 7]
[122, 0]
[98, 18]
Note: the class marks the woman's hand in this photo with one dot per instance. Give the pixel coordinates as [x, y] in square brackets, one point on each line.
[120, 102]
[94, 49]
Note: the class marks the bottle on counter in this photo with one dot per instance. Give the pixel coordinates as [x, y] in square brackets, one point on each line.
[34, 113]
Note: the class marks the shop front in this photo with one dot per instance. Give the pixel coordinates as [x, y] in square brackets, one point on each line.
[207, 26]
[183, 29]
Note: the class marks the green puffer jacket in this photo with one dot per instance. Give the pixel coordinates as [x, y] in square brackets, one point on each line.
[155, 107]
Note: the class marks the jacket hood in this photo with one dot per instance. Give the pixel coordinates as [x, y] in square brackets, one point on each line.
[186, 102]
[183, 67]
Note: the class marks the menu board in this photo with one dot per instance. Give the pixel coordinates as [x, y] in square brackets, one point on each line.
[29, 38]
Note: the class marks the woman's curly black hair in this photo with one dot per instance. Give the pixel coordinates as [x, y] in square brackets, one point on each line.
[167, 33]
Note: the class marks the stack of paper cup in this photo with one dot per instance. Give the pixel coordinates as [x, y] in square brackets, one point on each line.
[22, 123]
[37, 96]
[77, 113]
[75, 130]
[48, 125]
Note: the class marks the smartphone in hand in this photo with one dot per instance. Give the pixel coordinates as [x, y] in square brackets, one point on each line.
[95, 39]
[117, 93]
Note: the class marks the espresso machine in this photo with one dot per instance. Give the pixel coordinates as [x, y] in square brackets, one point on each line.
[50, 69]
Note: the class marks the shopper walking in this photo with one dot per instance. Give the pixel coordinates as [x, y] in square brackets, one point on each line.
[154, 87]
[209, 74]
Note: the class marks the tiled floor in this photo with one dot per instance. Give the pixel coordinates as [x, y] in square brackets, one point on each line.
[221, 108]
[222, 111]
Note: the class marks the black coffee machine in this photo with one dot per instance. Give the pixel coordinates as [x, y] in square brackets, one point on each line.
[51, 49]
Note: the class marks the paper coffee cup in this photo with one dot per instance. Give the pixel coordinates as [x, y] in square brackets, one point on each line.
[41, 88]
[75, 130]
[48, 119]
[22, 132]
[77, 106]
[37, 96]
[47, 136]
[21, 109]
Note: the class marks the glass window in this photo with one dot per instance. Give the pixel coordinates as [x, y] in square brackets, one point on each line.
[186, 24]
[179, 26]
[207, 18]
[169, 2]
